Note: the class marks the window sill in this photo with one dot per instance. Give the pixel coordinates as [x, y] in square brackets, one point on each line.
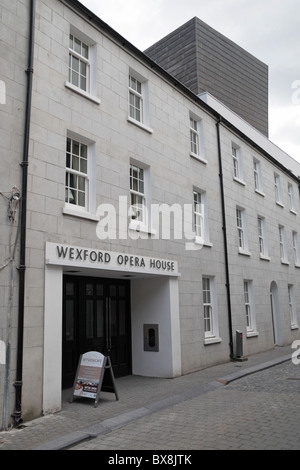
[238, 180]
[244, 252]
[285, 261]
[293, 212]
[83, 93]
[80, 214]
[265, 258]
[278, 203]
[294, 327]
[198, 158]
[252, 334]
[140, 228]
[297, 265]
[212, 340]
[203, 242]
[140, 124]
[197, 244]
[260, 193]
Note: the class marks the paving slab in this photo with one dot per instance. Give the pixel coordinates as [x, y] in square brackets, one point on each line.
[139, 397]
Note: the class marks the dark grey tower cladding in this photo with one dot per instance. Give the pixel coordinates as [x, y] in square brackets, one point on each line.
[205, 60]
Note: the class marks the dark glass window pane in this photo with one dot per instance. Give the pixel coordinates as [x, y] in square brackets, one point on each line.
[69, 319]
[89, 319]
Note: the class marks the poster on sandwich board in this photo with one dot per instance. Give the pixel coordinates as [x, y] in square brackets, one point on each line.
[88, 383]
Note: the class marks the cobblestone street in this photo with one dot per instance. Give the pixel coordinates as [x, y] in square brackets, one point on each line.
[257, 412]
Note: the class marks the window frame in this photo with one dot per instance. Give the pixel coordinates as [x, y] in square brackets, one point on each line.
[203, 238]
[236, 154]
[137, 193]
[207, 307]
[143, 225]
[283, 245]
[249, 304]
[241, 224]
[137, 95]
[211, 334]
[91, 91]
[198, 212]
[257, 174]
[77, 174]
[236, 166]
[143, 96]
[240, 228]
[291, 198]
[248, 309]
[82, 59]
[262, 238]
[89, 208]
[196, 131]
[292, 306]
[278, 190]
[296, 248]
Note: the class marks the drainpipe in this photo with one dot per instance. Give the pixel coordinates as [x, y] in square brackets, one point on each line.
[17, 414]
[225, 241]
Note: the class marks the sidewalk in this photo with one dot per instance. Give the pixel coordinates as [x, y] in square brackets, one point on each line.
[138, 397]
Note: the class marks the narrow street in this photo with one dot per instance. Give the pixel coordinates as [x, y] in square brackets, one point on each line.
[257, 412]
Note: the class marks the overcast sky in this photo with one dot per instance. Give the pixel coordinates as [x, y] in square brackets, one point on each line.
[268, 29]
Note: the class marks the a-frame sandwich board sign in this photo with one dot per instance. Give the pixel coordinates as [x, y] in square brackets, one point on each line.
[89, 381]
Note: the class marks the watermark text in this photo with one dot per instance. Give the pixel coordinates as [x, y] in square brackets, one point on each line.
[296, 354]
[159, 221]
[296, 93]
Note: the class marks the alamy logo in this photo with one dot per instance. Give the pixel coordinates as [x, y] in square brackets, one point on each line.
[2, 92]
[2, 353]
[296, 94]
[296, 354]
[160, 221]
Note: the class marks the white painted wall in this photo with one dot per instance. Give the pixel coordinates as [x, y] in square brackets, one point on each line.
[52, 387]
[155, 301]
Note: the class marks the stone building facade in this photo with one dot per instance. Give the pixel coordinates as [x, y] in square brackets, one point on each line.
[158, 223]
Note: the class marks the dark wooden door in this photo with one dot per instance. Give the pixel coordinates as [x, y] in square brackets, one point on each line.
[96, 317]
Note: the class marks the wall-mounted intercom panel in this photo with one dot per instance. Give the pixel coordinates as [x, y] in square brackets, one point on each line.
[151, 339]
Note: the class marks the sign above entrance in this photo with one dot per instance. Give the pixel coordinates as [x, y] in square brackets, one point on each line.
[67, 255]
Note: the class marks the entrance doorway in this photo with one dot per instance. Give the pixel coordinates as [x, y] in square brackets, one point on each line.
[96, 317]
